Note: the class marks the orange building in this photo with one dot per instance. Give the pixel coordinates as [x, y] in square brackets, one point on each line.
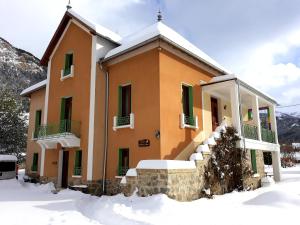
[109, 102]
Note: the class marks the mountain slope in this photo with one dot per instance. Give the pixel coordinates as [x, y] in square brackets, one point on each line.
[18, 68]
[288, 126]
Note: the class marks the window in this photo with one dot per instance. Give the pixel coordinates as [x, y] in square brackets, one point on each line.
[38, 121]
[253, 161]
[187, 104]
[65, 114]
[124, 109]
[78, 159]
[123, 161]
[68, 64]
[35, 162]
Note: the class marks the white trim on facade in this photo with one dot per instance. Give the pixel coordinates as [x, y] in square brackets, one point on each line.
[42, 165]
[47, 92]
[92, 110]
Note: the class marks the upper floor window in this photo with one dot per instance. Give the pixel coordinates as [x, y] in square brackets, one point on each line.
[68, 64]
[124, 109]
[38, 121]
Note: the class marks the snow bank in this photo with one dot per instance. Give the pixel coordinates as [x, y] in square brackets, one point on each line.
[8, 158]
[131, 173]
[165, 164]
[267, 181]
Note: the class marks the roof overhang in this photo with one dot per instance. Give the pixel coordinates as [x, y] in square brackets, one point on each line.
[70, 15]
[232, 77]
[163, 38]
[27, 92]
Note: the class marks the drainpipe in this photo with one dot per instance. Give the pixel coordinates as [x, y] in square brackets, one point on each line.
[106, 123]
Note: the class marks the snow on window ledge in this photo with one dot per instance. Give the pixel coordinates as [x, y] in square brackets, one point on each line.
[76, 176]
[63, 77]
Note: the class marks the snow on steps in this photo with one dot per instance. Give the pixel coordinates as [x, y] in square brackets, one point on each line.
[211, 141]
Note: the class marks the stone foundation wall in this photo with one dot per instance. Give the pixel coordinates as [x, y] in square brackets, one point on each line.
[254, 181]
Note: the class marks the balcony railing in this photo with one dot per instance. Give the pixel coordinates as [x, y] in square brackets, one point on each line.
[267, 135]
[63, 128]
[123, 122]
[77, 171]
[188, 121]
[250, 131]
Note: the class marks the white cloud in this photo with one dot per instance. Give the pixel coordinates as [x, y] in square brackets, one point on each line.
[289, 96]
[261, 70]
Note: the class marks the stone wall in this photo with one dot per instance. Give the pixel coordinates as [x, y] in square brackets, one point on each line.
[254, 181]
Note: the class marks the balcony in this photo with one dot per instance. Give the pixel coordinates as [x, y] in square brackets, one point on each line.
[65, 127]
[66, 132]
[123, 122]
[188, 121]
[250, 131]
[268, 135]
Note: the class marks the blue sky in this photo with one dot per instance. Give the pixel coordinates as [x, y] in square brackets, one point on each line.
[257, 40]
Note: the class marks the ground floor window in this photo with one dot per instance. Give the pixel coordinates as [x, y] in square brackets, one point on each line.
[35, 159]
[123, 161]
[253, 161]
[78, 163]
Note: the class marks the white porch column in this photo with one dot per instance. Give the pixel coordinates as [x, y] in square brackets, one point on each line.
[42, 166]
[59, 167]
[255, 113]
[276, 165]
[235, 110]
[273, 122]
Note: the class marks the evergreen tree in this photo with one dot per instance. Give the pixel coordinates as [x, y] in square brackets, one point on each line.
[227, 166]
[13, 125]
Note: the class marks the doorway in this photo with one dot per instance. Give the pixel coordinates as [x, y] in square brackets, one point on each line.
[214, 113]
[65, 167]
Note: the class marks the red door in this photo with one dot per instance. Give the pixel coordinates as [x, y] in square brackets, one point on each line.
[214, 113]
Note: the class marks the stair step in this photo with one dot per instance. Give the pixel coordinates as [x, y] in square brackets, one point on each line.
[210, 141]
[203, 148]
[196, 157]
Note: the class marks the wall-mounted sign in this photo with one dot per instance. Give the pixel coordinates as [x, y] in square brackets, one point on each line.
[144, 143]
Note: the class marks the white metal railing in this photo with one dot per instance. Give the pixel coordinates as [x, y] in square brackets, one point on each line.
[123, 122]
[189, 122]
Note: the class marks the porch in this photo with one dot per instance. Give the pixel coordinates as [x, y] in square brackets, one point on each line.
[250, 111]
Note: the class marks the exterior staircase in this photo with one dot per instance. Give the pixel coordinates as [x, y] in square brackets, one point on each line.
[204, 148]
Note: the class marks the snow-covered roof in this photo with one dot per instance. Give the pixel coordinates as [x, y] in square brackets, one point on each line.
[101, 31]
[33, 88]
[243, 83]
[165, 164]
[8, 158]
[159, 29]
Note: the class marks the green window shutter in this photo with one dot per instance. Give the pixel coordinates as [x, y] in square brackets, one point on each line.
[62, 108]
[191, 103]
[253, 161]
[68, 63]
[250, 114]
[120, 102]
[120, 162]
[78, 159]
[35, 162]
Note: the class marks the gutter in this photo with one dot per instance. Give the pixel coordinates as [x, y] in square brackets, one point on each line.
[100, 62]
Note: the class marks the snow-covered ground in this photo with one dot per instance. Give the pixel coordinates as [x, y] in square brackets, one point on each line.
[29, 204]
